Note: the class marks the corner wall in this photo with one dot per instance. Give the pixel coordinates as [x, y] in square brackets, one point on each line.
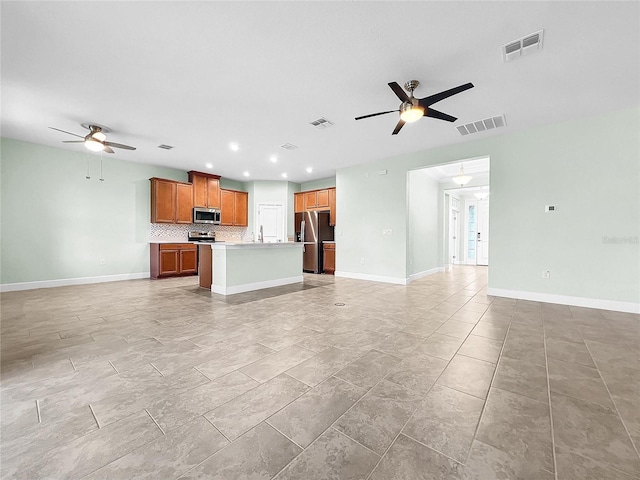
[589, 167]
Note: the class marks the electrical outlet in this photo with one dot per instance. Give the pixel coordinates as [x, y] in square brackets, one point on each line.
[102, 261]
[546, 274]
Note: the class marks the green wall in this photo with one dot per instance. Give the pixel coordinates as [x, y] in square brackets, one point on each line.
[56, 224]
[424, 213]
[589, 167]
[318, 184]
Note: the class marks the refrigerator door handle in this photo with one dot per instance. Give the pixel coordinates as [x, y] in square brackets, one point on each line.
[302, 226]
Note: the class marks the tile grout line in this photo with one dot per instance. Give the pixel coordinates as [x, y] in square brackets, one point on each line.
[38, 411]
[353, 440]
[156, 369]
[219, 431]
[114, 367]
[493, 377]
[434, 449]
[546, 366]
[200, 372]
[611, 397]
[73, 365]
[284, 435]
[95, 417]
[154, 421]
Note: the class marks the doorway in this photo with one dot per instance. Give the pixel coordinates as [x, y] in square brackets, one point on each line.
[270, 223]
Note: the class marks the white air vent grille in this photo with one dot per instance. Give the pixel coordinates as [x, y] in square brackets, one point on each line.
[165, 147]
[482, 125]
[289, 146]
[321, 123]
[522, 46]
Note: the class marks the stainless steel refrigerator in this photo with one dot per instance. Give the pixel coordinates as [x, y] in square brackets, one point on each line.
[312, 228]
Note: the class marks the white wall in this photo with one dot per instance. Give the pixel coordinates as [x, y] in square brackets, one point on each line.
[590, 167]
[424, 212]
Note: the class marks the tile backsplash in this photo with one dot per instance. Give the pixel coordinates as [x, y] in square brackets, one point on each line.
[169, 231]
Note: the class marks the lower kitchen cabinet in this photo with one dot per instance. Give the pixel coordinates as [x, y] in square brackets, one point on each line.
[173, 259]
[329, 257]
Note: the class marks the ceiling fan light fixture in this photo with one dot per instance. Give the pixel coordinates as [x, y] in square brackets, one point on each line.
[411, 113]
[94, 145]
[101, 137]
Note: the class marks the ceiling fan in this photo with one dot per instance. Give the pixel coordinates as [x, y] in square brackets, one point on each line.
[412, 109]
[95, 140]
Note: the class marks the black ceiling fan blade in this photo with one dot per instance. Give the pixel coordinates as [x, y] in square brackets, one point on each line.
[429, 112]
[431, 99]
[376, 114]
[63, 131]
[119, 145]
[398, 127]
[108, 149]
[397, 89]
[73, 141]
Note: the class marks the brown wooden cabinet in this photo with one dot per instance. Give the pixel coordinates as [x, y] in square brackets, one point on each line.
[206, 189]
[173, 259]
[332, 207]
[329, 257]
[317, 200]
[171, 201]
[298, 202]
[234, 209]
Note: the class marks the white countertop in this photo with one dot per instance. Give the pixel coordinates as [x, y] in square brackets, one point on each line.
[231, 245]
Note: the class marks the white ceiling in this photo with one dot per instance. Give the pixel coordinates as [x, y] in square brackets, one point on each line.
[199, 75]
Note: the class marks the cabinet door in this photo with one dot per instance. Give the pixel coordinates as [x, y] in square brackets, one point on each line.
[241, 217]
[169, 262]
[213, 193]
[199, 191]
[184, 203]
[163, 201]
[332, 207]
[188, 260]
[310, 200]
[322, 198]
[329, 258]
[227, 207]
[298, 201]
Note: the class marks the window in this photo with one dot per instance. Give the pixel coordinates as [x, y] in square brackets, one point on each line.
[471, 233]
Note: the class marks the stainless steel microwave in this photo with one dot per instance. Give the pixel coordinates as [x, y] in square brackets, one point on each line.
[206, 215]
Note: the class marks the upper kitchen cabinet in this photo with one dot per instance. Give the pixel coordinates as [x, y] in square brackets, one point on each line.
[234, 209]
[298, 202]
[317, 200]
[332, 207]
[171, 201]
[206, 189]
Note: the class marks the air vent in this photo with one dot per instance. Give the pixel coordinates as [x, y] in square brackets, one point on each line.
[321, 123]
[522, 46]
[289, 146]
[482, 125]
[165, 147]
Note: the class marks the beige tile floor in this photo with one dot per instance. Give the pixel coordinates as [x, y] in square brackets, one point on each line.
[436, 380]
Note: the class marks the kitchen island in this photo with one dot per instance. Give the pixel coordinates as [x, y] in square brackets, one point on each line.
[242, 267]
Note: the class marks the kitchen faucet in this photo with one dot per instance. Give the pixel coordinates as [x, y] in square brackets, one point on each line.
[261, 235]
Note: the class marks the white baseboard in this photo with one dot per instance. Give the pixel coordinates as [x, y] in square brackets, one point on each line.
[249, 287]
[372, 278]
[65, 282]
[627, 307]
[425, 273]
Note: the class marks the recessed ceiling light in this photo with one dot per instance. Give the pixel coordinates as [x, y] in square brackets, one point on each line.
[273, 158]
[284, 175]
[208, 165]
[309, 169]
[246, 174]
[234, 146]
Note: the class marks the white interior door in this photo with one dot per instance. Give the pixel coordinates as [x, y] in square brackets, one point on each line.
[454, 233]
[271, 219]
[482, 235]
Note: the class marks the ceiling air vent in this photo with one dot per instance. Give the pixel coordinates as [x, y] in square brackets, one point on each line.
[289, 146]
[165, 147]
[321, 123]
[522, 46]
[482, 125]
